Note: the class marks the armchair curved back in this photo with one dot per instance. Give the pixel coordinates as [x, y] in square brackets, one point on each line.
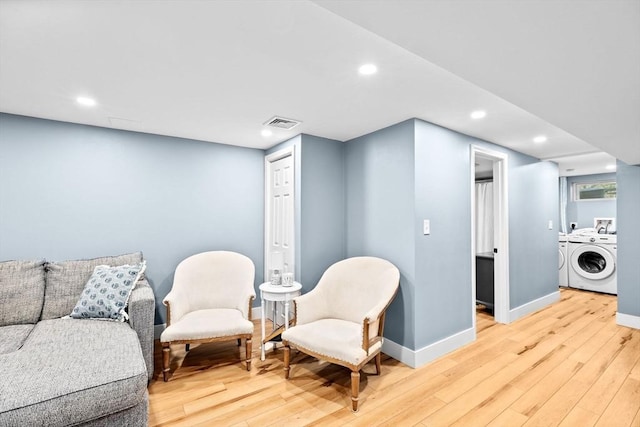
[356, 287]
[216, 279]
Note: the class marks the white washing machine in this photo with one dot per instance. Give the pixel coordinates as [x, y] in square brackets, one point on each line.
[563, 262]
[592, 262]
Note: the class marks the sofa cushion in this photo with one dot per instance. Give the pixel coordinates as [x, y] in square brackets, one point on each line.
[12, 337]
[66, 280]
[71, 371]
[21, 291]
[107, 292]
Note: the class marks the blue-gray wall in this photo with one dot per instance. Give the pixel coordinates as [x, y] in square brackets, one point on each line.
[584, 211]
[533, 248]
[320, 205]
[71, 191]
[628, 200]
[403, 174]
[443, 261]
[443, 258]
[380, 214]
[322, 222]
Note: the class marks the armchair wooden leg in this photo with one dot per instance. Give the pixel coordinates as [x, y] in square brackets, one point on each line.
[355, 390]
[166, 354]
[239, 342]
[378, 360]
[248, 352]
[287, 359]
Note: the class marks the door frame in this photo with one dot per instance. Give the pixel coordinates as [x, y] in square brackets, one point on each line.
[501, 232]
[268, 159]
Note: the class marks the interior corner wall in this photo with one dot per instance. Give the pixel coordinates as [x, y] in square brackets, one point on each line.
[443, 258]
[533, 246]
[71, 191]
[380, 214]
[322, 222]
[584, 211]
[628, 200]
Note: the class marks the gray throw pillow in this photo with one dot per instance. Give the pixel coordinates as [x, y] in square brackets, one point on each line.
[106, 294]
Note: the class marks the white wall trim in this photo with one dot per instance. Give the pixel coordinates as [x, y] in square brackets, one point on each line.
[418, 358]
[399, 352]
[628, 320]
[501, 231]
[533, 306]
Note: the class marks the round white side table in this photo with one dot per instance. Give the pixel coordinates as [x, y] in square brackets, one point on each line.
[275, 294]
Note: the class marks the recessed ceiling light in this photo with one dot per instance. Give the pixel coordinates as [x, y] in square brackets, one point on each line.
[266, 132]
[368, 69]
[610, 167]
[540, 139]
[478, 114]
[87, 102]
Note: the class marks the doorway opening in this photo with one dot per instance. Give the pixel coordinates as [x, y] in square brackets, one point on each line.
[489, 235]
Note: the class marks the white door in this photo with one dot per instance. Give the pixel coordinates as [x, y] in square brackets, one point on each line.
[280, 217]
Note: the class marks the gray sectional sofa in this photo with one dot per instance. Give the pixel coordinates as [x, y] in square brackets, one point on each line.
[58, 371]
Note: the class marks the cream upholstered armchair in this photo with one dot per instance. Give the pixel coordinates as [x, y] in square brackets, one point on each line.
[342, 319]
[210, 301]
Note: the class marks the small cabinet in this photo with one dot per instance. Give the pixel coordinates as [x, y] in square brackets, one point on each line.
[484, 279]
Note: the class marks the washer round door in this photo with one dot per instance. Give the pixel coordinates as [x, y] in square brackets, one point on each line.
[593, 262]
[561, 259]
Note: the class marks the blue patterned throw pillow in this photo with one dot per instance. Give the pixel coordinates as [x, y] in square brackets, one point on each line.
[106, 294]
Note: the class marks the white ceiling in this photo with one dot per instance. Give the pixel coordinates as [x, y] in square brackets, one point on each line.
[217, 70]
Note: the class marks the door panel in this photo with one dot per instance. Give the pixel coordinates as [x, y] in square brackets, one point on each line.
[280, 226]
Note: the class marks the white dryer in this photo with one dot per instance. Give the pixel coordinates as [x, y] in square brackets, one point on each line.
[563, 262]
[592, 262]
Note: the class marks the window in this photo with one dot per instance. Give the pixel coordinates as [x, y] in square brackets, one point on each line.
[603, 190]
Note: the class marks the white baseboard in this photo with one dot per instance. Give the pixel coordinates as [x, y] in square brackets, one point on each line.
[628, 320]
[418, 358]
[533, 306]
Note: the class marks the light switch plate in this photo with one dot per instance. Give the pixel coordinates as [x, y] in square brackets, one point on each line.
[426, 227]
[550, 225]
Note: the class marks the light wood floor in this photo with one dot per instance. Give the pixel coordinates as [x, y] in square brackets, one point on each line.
[566, 365]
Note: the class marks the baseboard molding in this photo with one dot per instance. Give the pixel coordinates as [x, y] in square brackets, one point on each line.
[418, 358]
[628, 320]
[533, 306]
[157, 330]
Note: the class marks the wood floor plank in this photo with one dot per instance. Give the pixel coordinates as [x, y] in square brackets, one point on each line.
[508, 418]
[568, 364]
[624, 406]
[605, 387]
[537, 396]
[579, 417]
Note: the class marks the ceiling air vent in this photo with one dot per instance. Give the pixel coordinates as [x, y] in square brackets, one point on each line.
[282, 123]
